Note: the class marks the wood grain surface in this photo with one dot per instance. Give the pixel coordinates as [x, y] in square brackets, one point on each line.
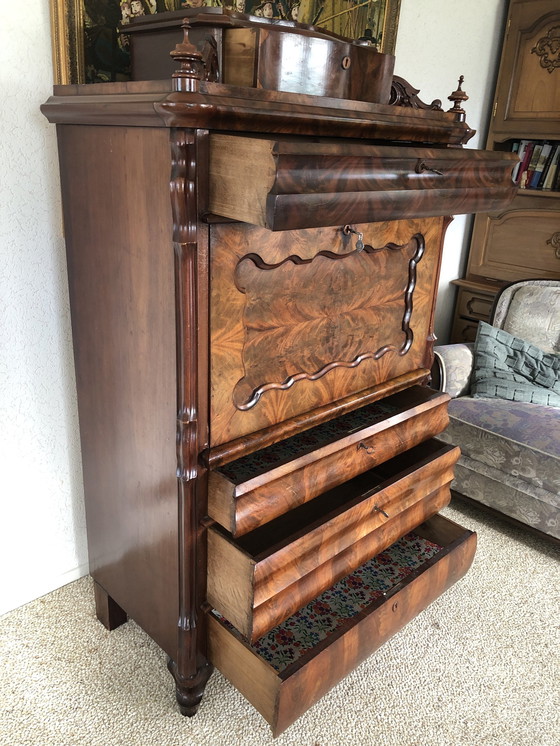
[241, 505]
[282, 698]
[275, 570]
[293, 343]
[283, 185]
[118, 225]
[239, 109]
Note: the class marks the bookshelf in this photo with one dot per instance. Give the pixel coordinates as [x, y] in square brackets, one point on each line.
[524, 240]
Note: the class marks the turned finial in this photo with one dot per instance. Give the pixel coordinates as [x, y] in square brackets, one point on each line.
[191, 70]
[457, 97]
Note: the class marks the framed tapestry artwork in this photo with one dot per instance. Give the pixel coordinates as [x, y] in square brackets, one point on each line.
[88, 48]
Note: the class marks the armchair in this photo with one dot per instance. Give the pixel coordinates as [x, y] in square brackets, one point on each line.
[510, 450]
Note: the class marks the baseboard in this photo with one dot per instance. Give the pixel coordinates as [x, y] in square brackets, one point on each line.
[32, 591]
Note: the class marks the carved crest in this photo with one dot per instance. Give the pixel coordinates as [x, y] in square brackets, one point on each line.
[548, 49]
[403, 94]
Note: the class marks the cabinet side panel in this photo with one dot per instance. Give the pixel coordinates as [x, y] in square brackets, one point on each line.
[120, 265]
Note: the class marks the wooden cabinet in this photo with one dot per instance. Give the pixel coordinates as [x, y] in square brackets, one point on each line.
[522, 241]
[252, 347]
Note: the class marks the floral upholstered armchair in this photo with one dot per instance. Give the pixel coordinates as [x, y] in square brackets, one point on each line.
[505, 408]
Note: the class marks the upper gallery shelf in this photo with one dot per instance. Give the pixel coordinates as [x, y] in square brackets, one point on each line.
[231, 72]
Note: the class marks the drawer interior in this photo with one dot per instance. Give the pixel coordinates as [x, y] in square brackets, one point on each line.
[334, 431]
[285, 529]
[279, 567]
[292, 666]
[295, 640]
[246, 493]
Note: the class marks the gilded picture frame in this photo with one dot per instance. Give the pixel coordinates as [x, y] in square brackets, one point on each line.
[72, 27]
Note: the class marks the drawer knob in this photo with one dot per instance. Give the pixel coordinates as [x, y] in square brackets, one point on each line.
[421, 167]
[370, 450]
[380, 510]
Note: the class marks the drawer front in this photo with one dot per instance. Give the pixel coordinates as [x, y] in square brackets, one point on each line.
[287, 185]
[302, 320]
[464, 330]
[519, 243]
[277, 569]
[474, 305]
[282, 692]
[257, 488]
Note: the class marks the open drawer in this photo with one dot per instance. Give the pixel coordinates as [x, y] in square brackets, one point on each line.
[286, 183]
[289, 669]
[254, 489]
[260, 579]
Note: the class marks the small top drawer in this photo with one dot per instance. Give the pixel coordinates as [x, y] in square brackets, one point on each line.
[287, 184]
[253, 490]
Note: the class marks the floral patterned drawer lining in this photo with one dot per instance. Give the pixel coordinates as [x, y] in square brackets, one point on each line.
[262, 461]
[312, 624]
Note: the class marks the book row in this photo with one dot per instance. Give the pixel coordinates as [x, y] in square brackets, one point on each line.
[538, 166]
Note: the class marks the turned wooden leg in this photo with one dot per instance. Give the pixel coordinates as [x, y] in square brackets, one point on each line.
[189, 690]
[107, 609]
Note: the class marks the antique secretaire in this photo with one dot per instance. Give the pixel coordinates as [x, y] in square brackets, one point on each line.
[253, 248]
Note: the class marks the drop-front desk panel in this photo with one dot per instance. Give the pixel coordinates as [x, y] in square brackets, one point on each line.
[252, 279]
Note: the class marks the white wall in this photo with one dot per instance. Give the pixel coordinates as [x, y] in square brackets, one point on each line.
[42, 526]
[42, 533]
[437, 41]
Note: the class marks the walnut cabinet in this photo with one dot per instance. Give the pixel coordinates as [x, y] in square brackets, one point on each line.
[252, 277]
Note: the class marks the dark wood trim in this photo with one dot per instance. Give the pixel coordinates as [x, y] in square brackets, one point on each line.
[191, 670]
[239, 109]
[107, 610]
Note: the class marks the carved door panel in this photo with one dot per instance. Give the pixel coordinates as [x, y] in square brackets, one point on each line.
[301, 319]
[532, 92]
[519, 243]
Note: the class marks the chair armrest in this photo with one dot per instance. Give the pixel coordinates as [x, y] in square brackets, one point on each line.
[452, 368]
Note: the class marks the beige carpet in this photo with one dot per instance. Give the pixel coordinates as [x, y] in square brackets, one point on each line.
[479, 666]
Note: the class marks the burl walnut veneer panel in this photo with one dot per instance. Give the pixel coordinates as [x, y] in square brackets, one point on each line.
[303, 318]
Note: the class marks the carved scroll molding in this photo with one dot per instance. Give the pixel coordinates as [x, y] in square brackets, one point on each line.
[403, 94]
[306, 317]
[548, 49]
[190, 671]
[554, 241]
